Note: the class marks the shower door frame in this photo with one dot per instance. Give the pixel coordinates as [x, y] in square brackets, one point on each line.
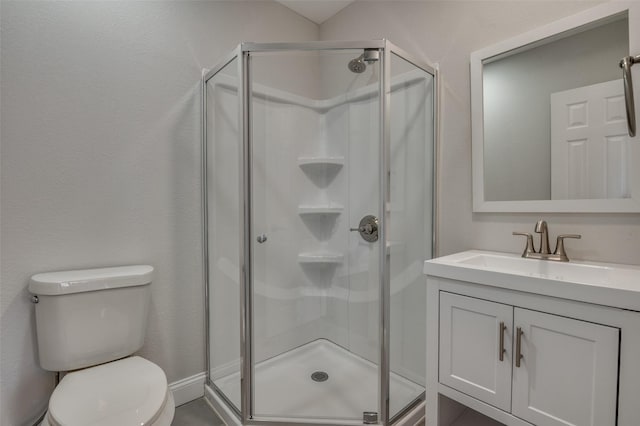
[243, 53]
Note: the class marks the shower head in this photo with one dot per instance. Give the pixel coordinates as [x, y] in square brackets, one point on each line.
[358, 65]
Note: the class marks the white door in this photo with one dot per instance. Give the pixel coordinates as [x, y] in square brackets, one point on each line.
[470, 347]
[568, 372]
[589, 143]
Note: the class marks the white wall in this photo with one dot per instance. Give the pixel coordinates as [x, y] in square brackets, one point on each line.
[446, 33]
[100, 160]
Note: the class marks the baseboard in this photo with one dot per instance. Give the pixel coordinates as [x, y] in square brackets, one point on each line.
[188, 389]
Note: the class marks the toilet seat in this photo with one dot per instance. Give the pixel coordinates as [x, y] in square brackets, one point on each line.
[131, 391]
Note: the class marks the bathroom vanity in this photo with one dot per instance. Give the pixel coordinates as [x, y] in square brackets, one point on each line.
[519, 341]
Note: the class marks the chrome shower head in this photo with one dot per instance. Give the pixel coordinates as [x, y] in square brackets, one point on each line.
[369, 56]
[357, 65]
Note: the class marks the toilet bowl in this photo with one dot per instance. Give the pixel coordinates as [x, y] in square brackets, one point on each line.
[89, 323]
[130, 391]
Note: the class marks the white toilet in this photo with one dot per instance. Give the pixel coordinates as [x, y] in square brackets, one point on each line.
[89, 322]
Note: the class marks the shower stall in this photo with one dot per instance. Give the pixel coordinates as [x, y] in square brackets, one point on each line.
[318, 164]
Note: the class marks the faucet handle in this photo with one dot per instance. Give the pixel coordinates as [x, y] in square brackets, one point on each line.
[560, 251]
[529, 247]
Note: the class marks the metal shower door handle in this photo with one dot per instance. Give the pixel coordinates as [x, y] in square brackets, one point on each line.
[368, 228]
[625, 64]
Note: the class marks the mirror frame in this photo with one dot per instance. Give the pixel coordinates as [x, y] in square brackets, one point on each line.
[528, 40]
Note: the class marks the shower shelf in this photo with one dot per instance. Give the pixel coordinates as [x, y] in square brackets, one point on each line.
[320, 209]
[321, 258]
[321, 163]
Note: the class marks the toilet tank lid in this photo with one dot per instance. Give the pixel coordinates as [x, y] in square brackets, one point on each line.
[78, 281]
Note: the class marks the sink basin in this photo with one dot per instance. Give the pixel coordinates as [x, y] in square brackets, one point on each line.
[602, 283]
[579, 272]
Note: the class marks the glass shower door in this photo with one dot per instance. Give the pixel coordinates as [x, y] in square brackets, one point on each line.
[410, 226]
[315, 285]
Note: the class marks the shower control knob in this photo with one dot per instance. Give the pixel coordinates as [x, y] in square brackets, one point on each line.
[261, 238]
[368, 228]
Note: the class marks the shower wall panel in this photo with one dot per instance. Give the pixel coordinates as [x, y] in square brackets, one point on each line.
[364, 199]
[287, 309]
[294, 299]
[328, 233]
[355, 310]
[297, 304]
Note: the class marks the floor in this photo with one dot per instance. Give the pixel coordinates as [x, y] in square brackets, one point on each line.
[319, 380]
[196, 413]
[473, 418]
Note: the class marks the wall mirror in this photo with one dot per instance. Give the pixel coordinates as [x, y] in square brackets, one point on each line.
[549, 125]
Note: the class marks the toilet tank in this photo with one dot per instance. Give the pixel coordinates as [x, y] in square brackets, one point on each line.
[91, 316]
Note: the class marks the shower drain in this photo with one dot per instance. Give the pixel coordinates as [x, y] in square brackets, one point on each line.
[319, 376]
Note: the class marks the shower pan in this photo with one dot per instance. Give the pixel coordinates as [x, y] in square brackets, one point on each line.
[318, 209]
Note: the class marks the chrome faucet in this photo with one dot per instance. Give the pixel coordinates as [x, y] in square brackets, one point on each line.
[544, 253]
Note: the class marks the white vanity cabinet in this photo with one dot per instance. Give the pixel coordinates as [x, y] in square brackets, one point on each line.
[523, 342]
[566, 372]
[472, 331]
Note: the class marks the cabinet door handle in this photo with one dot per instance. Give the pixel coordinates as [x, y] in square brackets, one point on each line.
[519, 334]
[501, 349]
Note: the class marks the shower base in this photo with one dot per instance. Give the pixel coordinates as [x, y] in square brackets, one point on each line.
[285, 389]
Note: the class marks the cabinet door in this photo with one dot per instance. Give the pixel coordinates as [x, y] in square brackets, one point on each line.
[568, 372]
[470, 346]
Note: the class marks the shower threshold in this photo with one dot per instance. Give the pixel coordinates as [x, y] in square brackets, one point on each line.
[319, 380]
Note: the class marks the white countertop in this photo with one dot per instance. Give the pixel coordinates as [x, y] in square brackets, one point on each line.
[606, 284]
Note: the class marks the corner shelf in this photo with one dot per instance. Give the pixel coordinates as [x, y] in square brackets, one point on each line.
[321, 163]
[320, 209]
[319, 215]
[321, 258]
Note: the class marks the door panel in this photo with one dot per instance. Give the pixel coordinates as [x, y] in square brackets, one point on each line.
[470, 348]
[589, 143]
[568, 372]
